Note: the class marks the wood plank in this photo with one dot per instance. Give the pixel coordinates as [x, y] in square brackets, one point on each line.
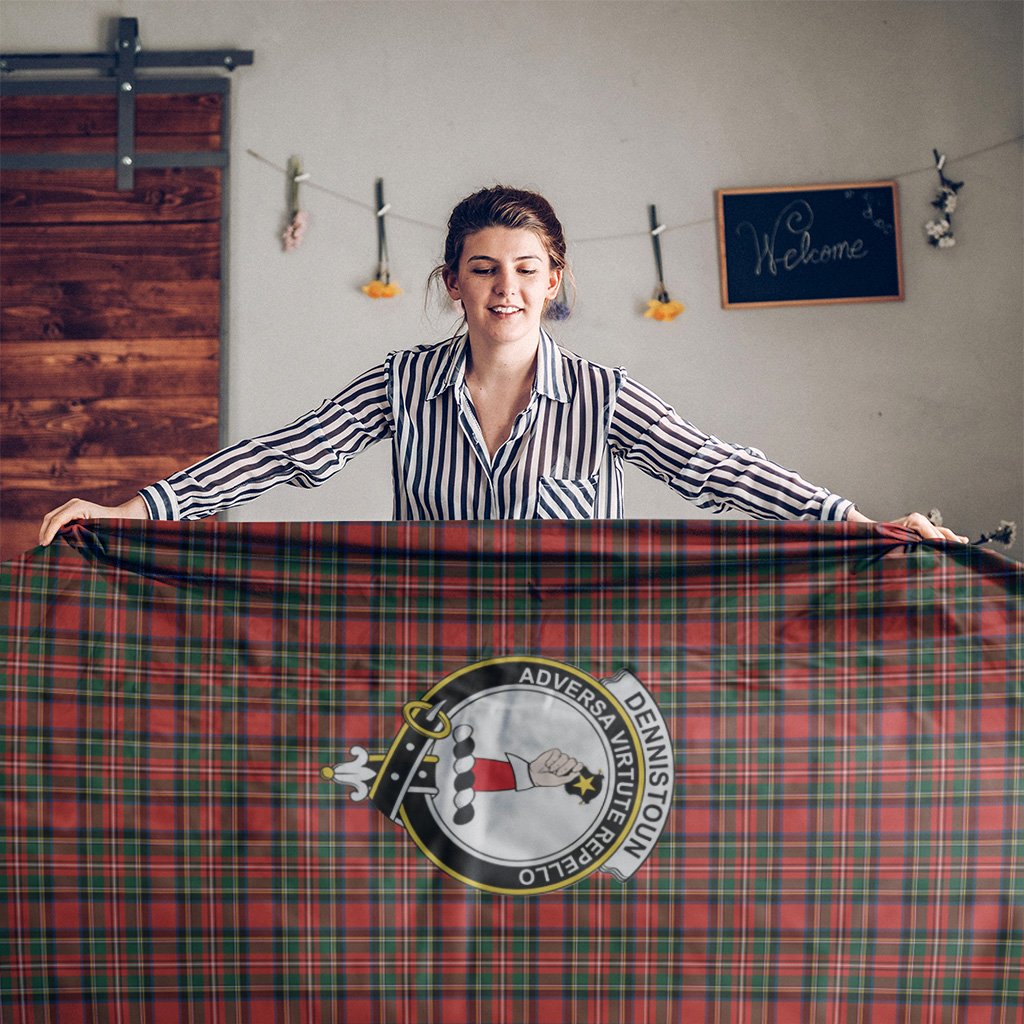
[29, 488]
[108, 144]
[84, 116]
[108, 252]
[91, 473]
[74, 428]
[95, 310]
[82, 197]
[17, 537]
[110, 369]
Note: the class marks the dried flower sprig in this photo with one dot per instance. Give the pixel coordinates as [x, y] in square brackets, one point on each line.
[1004, 533]
[558, 308]
[658, 310]
[296, 229]
[940, 231]
[299, 219]
[381, 287]
[661, 307]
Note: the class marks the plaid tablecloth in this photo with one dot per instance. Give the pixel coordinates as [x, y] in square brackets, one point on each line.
[838, 836]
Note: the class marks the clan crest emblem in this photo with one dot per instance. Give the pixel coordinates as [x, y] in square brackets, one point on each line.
[522, 775]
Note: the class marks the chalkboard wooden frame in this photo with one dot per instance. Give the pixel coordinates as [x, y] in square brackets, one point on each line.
[819, 268]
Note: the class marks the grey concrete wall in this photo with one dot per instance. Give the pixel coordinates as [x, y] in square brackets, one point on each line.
[606, 107]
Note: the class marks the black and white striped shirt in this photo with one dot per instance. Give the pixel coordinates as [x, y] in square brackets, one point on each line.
[562, 460]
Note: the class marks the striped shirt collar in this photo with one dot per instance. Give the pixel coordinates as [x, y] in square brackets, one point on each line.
[550, 379]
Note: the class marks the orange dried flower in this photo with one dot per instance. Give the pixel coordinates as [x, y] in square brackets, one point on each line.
[380, 290]
[657, 310]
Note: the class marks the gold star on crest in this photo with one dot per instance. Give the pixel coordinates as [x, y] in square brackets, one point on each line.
[584, 784]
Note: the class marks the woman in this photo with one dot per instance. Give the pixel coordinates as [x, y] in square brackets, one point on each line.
[498, 422]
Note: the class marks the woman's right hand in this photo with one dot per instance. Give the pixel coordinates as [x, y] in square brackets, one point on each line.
[77, 508]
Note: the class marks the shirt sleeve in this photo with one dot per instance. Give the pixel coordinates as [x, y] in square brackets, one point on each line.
[304, 454]
[711, 473]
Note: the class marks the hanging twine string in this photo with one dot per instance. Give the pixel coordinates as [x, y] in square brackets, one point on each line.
[312, 184]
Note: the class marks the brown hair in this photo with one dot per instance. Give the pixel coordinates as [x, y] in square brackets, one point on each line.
[501, 207]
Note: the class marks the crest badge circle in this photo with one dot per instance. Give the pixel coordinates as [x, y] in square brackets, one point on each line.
[522, 775]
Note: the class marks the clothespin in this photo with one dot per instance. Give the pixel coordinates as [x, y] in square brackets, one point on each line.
[295, 178]
[940, 162]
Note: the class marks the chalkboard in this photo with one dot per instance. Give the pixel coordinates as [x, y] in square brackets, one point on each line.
[812, 244]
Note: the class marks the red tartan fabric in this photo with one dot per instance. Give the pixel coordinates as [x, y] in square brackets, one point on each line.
[240, 775]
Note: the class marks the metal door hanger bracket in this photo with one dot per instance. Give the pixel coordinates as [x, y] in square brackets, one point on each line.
[128, 47]
[123, 64]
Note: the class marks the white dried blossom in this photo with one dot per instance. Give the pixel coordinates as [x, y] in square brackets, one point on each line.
[940, 231]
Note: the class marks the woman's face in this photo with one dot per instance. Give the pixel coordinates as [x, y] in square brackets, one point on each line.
[504, 279]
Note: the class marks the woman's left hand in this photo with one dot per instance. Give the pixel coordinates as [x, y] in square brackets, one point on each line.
[919, 524]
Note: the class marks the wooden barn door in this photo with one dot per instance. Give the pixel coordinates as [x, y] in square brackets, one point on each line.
[111, 304]
[110, 310]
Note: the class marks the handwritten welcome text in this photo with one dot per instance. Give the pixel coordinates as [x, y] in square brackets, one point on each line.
[795, 222]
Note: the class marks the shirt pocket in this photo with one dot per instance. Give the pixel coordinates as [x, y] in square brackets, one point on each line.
[566, 498]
